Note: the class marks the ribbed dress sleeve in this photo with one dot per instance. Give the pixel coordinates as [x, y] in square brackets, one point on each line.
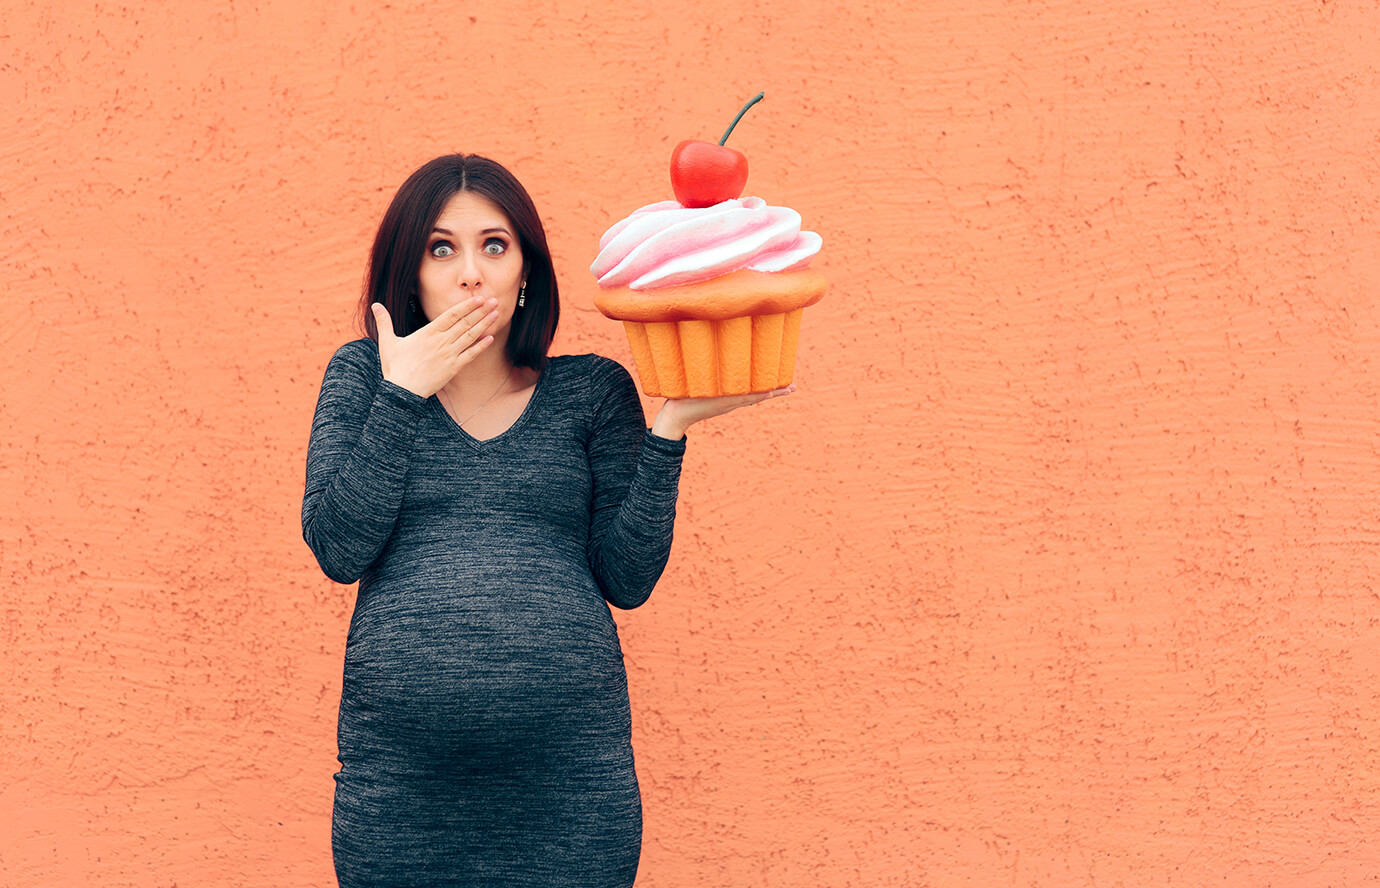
[361, 442]
[636, 480]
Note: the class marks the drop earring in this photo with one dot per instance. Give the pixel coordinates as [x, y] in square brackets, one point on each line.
[522, 295]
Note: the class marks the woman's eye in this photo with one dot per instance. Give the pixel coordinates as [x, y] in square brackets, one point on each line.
[442, 250]
[495, 247]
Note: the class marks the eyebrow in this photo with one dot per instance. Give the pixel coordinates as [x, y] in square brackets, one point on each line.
[450, 233]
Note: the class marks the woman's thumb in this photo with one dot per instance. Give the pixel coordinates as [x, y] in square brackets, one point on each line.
[382, 321]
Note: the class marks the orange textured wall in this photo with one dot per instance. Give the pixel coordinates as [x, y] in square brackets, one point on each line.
[1059, 570]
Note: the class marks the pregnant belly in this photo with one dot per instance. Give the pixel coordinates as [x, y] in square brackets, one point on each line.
[508, 672]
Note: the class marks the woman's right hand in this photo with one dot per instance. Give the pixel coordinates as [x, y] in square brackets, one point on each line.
[428, 358]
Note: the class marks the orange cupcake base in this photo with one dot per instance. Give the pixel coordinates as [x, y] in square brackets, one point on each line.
[704, 359]
[689, 343]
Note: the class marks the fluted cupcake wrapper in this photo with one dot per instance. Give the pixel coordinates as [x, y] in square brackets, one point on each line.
[702, 359]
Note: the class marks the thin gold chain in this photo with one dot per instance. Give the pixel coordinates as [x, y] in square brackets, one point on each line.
[462, 422]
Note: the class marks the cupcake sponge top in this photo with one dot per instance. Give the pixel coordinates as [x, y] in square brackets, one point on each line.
[731, 295]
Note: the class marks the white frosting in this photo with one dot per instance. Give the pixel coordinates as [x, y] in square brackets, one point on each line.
[665, 244]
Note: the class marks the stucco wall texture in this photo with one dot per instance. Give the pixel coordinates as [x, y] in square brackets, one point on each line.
[1059, 570]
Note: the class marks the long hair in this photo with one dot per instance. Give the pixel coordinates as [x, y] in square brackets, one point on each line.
[401, 241]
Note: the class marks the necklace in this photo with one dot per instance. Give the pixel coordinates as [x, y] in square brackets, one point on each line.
[462, 422]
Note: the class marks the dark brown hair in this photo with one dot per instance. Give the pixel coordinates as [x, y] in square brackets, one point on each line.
[402, 237]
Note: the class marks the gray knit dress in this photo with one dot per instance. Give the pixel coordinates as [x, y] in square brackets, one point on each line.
[484, 727]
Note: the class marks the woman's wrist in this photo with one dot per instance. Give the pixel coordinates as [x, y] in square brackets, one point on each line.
[667, 426]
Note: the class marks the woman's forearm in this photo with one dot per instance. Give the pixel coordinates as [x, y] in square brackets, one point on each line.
[355, 489]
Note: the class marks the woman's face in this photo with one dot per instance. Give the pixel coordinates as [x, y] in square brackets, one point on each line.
[472, 250]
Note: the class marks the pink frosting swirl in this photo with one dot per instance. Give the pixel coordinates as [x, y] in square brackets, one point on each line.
[666, 244]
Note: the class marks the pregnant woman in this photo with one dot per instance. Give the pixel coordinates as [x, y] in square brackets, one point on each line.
[492, 503]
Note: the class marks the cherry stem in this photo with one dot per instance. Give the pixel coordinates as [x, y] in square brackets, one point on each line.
[755, 99]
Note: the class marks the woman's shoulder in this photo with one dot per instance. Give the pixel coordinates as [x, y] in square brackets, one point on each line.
[363, 349]
[353, 371]
[589, 370]
[594, 387]
[359, 356]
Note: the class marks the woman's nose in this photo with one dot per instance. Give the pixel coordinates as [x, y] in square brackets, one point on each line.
[468, 270]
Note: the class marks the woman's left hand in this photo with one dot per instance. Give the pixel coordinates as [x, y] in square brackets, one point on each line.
[678, 414]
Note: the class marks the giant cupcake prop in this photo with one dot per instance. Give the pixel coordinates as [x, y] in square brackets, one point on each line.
[710, 287]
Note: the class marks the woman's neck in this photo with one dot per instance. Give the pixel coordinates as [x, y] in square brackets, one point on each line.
[482, 375]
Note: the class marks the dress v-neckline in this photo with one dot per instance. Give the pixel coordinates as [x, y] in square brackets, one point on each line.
[480, 443]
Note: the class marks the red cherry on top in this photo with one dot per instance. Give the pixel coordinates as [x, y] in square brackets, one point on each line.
[703, 174]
